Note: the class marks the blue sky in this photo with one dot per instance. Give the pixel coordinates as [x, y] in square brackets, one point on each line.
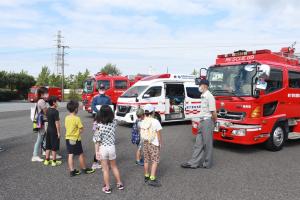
[135, 34]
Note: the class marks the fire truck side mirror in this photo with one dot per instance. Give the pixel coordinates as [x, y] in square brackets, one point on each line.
[264, 71]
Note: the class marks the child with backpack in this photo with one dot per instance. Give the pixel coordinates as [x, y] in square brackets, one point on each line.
[39, 110]
[150, 134]
[53, 133]
[104, 139]
[74, 129]
[136, 137]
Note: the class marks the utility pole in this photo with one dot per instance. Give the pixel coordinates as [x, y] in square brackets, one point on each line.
[58, 52]
[63, 71]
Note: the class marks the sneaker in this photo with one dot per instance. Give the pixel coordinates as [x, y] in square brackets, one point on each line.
[36, 159]
[47, 162]
[75, 172]
[154, 183]
[106, 190]
[56, 163]
[88, 171]
[120, 186]
[146, 179]
[1, 149]
[96, 166]
[140, 163]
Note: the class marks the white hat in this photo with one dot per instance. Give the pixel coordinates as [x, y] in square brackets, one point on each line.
[149, 108]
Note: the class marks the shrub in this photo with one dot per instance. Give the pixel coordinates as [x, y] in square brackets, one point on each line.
[7, 95]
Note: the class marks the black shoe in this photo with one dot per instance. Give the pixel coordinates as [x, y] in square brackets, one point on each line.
[154, 183]
[147, 179]
[186, 165]
[75, 172]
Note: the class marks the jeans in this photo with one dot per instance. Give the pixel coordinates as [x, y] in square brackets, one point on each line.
[37, 145]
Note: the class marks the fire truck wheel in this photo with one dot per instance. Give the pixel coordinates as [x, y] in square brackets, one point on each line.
[277, 138]
[157, 116]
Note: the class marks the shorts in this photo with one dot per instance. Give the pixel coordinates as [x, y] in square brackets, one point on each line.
[52, 141]
[74, 147]
[108, 152]
[151, 153]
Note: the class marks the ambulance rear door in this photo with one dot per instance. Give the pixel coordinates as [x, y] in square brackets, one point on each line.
[192, 100]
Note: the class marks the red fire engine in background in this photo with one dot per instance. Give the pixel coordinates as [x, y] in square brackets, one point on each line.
[258, 97]
[52, 91]
[114, 85]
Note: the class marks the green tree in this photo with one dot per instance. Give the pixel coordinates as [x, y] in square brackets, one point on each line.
[110, 69]
[55, 80]
[24, 83]
[43, 77]
[80, 78]
[12, 79]
[3, 79]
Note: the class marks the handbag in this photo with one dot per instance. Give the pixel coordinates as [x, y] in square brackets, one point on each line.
[33, 115]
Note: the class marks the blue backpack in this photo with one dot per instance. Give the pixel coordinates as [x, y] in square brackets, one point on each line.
[135, 135]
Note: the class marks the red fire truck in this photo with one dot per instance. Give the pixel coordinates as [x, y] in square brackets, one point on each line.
[52, 91]
[258, 97]
[115, 86]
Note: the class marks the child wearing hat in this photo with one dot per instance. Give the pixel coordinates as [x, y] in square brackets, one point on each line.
[151, 136]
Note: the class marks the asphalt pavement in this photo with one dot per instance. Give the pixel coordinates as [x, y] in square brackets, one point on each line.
[239, 172]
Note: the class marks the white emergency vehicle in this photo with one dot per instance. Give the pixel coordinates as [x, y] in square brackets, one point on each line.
[175, 98]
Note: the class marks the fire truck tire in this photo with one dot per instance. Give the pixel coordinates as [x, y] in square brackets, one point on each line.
[157, 116]
[277, 138]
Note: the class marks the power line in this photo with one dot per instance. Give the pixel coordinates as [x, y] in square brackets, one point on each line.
[119, 47]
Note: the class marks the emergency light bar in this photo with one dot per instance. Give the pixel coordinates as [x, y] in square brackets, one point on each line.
[245, 53]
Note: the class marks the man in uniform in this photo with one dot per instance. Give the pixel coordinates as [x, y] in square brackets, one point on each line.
[100, 99]
[203, 147]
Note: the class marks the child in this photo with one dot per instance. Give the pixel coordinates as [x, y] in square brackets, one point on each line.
[136, 139]
[42, 93]
[150, 134]
[74, 129]
[104, 139]
[96, 164]
[53, 133]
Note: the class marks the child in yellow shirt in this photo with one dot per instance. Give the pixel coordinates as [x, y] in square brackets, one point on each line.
[74, 129]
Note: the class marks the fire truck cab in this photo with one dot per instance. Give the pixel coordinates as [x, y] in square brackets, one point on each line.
[258, 97]
[175, 98]
[52, 91]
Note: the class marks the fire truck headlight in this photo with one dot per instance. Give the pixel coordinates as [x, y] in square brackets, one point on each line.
[240, 132]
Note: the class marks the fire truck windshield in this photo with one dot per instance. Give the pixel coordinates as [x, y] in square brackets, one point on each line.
[33, 90]
[88, 86]
[134, 91]
[233, 80]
